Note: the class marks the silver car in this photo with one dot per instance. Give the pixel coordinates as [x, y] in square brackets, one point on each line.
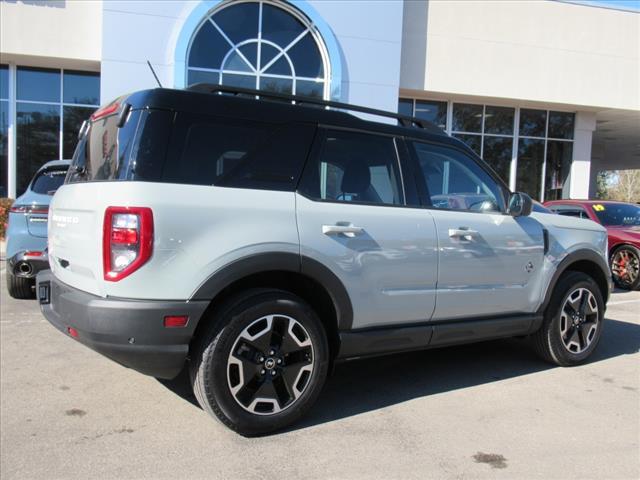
[256, 242]
[27, 229]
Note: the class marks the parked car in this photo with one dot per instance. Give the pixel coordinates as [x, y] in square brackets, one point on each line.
[622, 221]
[27, 229]
[257, 242]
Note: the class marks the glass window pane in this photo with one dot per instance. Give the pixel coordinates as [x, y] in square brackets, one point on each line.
[81, 87]
[498, 120]
[49, 181]
[280, 67]
[276, 85]
[239, 22]
[435, 112]
[4, 158]
[196, 76]
[561, 125]
[242, 81]
[455, 181]
[72, 118]
[37, 139]
[236, 63]
[208, 48]
[472, 141]
[497, 153]
[529, 172]
[532, 123]
[306, 58]
[38, 84]
[467, 118]
[405, 107]
[354, 167]
[250, 51]
[279, 26]
[559, 158]
[4, 81]
[309, 88]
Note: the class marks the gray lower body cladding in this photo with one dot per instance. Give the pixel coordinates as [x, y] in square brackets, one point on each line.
[130, 332]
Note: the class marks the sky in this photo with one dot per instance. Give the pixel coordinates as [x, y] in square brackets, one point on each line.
[624, 4]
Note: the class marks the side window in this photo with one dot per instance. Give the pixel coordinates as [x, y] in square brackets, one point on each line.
[354, 167]
[454, 181]
[224, 152]
[570, 212]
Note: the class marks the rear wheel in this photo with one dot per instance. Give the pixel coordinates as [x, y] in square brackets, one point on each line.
[262, 363]
[573, 321]
[625, 267]
[19, 287]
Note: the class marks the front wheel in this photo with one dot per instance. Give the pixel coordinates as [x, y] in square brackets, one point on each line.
[262, 363]
[625, 267]
[573, 321]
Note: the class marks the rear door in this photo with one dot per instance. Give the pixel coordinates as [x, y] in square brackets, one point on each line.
[489, 260]
[353, 218]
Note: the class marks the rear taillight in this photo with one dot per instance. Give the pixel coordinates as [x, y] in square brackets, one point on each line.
[127, 240]
[40, 209]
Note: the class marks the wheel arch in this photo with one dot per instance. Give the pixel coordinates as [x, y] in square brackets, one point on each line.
[302, 276]
[585, 261]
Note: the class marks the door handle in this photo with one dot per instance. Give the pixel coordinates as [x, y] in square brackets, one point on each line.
[462, 233]
[346, 230]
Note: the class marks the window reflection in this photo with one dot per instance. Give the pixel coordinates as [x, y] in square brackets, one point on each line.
[81, 87]
[473, 141]
[532, 123]
[4, 158]
[467, 118]
[498, 120]
[497, 153]
[556, 183]
[435, 112]
[561, 125]
[38, 84]
[530, 161]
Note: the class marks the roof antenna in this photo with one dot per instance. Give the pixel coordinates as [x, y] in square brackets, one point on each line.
[154, 73]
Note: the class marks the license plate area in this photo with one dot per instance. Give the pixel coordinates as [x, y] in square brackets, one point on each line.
[44, 293]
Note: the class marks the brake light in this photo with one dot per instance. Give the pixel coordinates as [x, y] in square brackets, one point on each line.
[127, 240]
[40, 209]
[105, 111]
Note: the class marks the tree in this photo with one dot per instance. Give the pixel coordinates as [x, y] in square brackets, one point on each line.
[626, 186]
[603, 180]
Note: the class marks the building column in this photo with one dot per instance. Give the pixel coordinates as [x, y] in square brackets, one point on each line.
[585, 124]
[12, 174]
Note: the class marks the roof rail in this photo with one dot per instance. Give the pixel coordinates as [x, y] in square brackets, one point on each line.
[404, 120]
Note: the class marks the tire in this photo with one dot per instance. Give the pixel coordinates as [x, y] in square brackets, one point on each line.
[20, 288]
[559, 340]
[625, 267]
[277, 371]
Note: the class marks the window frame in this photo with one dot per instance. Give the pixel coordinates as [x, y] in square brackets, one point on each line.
[421, 183]
[408, 193]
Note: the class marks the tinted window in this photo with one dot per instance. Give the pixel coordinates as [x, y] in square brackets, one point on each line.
[572, 213]
[617, 214]
[81, 87]
[104, 151]
[435, 112]
[354, 167]
[467, 117]
[455, 181]
[214, 151]
[49, 181]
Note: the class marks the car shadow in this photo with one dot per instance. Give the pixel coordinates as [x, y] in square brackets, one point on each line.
[361, 386]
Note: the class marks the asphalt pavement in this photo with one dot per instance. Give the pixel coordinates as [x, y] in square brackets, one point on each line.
[490, 410]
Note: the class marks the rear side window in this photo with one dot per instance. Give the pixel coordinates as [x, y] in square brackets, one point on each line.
[48, 181]
[231, 153]
[354, 167]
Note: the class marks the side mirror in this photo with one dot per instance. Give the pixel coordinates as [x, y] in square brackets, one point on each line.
[520, 205]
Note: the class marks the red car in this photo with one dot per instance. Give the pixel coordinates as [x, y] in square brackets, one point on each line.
[622, 221]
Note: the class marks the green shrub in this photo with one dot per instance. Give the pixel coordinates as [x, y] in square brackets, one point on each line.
[5, 204]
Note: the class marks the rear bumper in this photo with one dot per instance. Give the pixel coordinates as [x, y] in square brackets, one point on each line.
[130, 332]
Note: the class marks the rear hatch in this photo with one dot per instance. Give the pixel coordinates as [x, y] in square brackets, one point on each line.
[102, 157]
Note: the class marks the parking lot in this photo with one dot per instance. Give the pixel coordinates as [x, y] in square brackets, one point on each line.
[491, 410]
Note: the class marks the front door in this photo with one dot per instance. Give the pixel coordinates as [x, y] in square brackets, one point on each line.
[352, 218]
[489, 261]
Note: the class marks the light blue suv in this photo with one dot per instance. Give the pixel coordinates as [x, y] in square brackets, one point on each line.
[256, 242]
[27, 229]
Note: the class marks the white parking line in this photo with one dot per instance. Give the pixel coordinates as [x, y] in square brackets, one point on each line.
[623, 301]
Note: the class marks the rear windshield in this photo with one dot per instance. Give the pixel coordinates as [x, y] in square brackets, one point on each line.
[48, 181]
[169, 147]
[617, 214]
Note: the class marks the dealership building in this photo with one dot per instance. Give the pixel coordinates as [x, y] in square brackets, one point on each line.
[546, 91]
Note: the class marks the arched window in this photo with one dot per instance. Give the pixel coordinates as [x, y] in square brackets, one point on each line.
[265, 45]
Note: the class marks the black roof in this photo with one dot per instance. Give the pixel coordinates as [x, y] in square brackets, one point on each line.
[276, 108]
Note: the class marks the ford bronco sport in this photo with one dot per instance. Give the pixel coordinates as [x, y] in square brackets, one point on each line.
[258, 240]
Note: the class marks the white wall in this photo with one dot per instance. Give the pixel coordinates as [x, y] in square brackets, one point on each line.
[136, 31]
[39, 33]
[536, 50]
